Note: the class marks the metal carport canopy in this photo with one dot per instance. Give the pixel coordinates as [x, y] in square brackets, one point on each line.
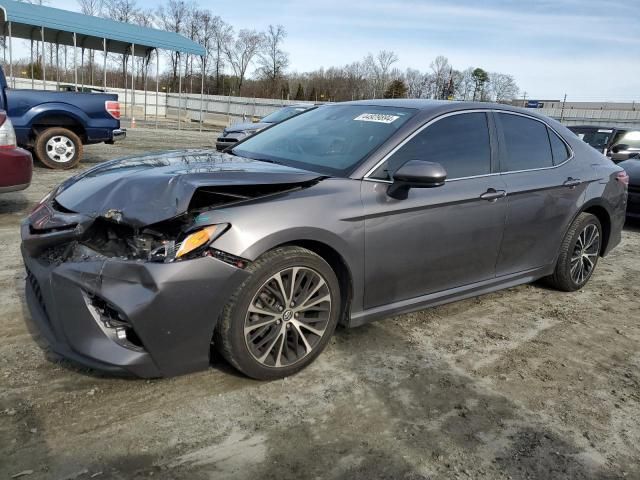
[60, 25]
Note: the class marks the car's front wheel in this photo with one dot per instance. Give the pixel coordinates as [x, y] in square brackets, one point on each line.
[579, 254]
[282, 316]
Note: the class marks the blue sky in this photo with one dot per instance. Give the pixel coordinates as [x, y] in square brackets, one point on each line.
[588, 49]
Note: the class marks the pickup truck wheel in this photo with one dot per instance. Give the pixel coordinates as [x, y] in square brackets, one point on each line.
[58, 148]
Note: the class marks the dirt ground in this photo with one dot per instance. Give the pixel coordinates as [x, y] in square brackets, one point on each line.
[527, 383]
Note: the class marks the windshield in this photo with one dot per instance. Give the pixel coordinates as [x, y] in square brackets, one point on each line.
[331, 139]
[282, 114]
[598, 138]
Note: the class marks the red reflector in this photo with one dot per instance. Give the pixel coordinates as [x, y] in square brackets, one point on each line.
[623, 178]
[113, 109]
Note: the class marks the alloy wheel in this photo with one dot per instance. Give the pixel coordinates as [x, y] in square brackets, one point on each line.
[585, 254]
[287, 317]
[60, 149]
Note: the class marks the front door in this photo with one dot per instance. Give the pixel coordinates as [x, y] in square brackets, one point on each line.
[438, 238]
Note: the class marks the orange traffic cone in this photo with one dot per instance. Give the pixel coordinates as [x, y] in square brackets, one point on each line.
[133, 122]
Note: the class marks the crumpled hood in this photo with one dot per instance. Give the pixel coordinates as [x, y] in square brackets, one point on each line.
[151, 188]
[241, 127]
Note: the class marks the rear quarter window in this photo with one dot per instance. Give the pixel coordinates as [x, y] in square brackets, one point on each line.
[559, 149]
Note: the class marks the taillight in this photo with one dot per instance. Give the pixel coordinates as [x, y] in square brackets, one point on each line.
[7, 133]
[112, 108]
[623, 178]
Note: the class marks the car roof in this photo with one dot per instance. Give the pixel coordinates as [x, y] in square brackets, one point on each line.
[441, 106]
[597, 127]
[299, 105]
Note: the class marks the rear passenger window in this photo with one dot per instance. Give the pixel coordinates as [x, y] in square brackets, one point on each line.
[460, 143]
[558, 148]
[526, 143]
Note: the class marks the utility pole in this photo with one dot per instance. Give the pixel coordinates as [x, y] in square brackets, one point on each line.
[524, 99]
[562, 109]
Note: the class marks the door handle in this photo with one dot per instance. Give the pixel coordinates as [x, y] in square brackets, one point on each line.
[492, 194]
[572, 182]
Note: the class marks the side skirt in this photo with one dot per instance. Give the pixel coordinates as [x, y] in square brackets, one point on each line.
[447, 296]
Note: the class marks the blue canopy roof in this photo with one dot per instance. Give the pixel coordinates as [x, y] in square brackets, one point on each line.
[60, 25]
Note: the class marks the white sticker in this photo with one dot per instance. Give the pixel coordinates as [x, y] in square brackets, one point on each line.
[376, 117]
[604, 130]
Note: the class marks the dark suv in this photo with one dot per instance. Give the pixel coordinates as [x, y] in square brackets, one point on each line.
[617, 143]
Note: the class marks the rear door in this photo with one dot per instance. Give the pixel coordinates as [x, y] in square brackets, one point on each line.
[437, 238]
[544, 190]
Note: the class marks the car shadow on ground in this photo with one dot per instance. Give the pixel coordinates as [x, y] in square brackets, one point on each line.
[13, 203]
[632, 225]
[391, 408]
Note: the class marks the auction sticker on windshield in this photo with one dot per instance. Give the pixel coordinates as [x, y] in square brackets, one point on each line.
[376, 117]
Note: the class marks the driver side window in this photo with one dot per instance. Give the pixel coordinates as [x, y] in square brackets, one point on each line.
[460, 143]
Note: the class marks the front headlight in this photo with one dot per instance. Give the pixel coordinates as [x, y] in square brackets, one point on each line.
[198, 239]
[192, 245]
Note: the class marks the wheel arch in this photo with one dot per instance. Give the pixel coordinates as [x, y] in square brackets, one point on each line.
[598, 210]
[337, 263]
[51, 116]
[52, 120]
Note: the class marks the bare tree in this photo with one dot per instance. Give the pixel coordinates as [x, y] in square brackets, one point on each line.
[241, 52]
[173, 18]
[122, 11]
[356, 78]
[378, 70]
[272, 60]
[466, 84]
[93, 8]
[441, 70]
[206, 35]
[144, 18]
[417, 83]
[502, 87]
[223, 35]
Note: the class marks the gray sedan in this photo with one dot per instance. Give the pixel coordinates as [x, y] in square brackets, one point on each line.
[346, 214]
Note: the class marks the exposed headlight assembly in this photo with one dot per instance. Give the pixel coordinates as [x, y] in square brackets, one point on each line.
[197, 239]
[193, 245]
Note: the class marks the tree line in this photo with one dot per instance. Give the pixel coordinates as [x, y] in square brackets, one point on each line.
[253, 63]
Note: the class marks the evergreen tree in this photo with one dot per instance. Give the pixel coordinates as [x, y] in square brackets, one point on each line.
[299, 92]
[312, 95]
[480, 78]
[396, 89]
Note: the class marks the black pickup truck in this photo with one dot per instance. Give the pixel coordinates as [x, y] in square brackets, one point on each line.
[55, 125]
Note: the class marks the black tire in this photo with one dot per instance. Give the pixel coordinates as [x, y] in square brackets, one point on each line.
[229, 337]
[564, 277]
[67, 140]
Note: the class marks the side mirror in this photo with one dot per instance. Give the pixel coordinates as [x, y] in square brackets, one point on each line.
[416, 174]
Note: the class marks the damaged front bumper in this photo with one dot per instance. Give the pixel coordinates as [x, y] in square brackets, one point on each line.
[116, 315]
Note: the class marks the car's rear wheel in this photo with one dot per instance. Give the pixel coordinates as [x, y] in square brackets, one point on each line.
[282, 316]
[579, 254]
[58, 148]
